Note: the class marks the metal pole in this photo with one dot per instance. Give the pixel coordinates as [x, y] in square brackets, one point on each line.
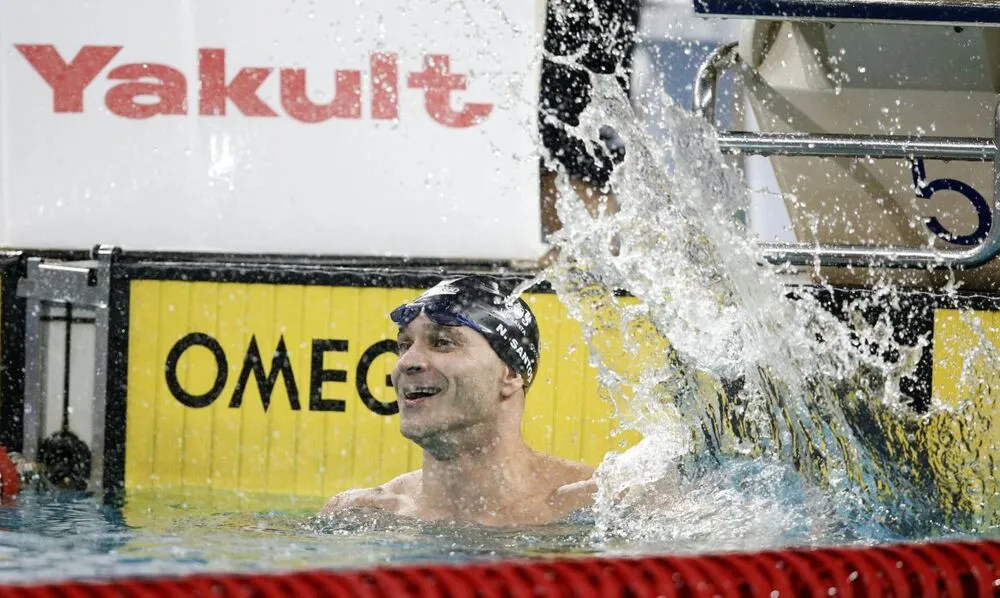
[67, 351]
[34, 402]
[869, 146]
[707, 80]
[104, 255]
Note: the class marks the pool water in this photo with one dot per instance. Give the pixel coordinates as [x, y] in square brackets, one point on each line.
[61, 535]
[744, 504]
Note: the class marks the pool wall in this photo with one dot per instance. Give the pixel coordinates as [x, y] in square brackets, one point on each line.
[269, 374]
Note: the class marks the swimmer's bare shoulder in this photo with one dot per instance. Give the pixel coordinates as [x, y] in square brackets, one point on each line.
[395, 496]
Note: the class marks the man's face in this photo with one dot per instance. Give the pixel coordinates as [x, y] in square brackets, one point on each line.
[447, 379]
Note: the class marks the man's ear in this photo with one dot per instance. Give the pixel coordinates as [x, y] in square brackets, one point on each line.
[510, 383]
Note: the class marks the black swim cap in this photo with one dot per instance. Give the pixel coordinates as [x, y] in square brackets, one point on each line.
[482, 303]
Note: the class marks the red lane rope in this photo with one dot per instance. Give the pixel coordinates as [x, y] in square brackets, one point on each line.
[923, 569]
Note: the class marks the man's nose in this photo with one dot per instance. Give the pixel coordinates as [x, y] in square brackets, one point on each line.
[412, 361]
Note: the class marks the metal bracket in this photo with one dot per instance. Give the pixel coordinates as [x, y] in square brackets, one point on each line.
[971, 149]
[61, 282]
[80, 283]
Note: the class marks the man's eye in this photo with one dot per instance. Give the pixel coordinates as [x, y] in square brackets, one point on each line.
[401, 347]
[443, 342]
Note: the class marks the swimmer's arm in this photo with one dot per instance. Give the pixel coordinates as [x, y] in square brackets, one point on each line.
[376, 498]
[574, 496]
[344, 500]
[388, 496]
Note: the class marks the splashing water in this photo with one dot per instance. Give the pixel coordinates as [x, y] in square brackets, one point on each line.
[761, 411]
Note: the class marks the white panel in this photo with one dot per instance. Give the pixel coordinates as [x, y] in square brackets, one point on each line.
[409, 163]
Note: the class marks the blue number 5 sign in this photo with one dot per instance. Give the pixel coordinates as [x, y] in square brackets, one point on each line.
[926, 189]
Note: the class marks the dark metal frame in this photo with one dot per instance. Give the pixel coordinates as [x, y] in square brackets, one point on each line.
[908, 11]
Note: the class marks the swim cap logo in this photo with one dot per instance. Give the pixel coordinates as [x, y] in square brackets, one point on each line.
[521, 313]
[515, 314]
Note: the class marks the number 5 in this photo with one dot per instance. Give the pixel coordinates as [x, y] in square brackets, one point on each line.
[926, 190]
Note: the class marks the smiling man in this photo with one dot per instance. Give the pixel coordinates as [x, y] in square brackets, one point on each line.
[467, 355]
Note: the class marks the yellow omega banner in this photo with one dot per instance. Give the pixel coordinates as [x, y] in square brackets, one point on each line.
[284, 388]
[963, 444]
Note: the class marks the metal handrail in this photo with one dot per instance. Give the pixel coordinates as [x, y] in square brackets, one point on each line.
[867, 146]
[861, 146]
[707, 79]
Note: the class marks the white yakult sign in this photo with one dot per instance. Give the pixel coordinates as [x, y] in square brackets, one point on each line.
[336, 128]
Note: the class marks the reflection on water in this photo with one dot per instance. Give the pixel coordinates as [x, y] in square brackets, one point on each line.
[55, 536]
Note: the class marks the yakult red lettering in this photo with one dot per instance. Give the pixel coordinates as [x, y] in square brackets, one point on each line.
[438, 82]
[241, 90]
[68, 80]
[223, 87]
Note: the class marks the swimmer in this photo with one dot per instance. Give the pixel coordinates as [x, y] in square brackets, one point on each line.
[467, 357]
